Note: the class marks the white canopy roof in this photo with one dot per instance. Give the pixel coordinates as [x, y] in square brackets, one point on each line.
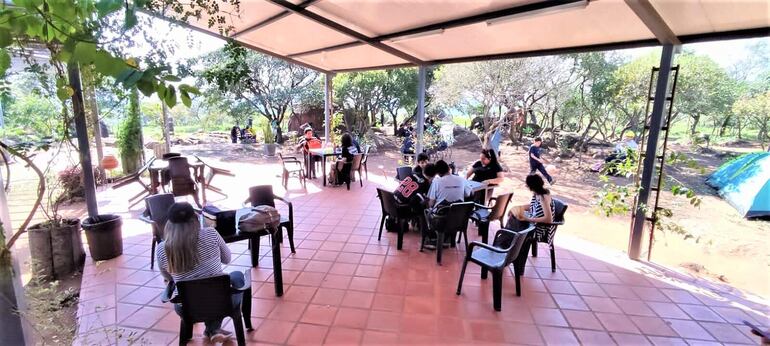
[347, 35]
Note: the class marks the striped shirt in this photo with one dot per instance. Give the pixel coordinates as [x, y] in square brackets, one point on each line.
[212, 253]
[543, 233]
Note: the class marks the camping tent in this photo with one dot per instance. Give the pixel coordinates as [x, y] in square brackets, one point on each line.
[745, 183]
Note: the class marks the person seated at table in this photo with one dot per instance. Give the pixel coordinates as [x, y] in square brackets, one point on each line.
[309, 141]
[189, 251]
[487, 169]
[342, 166]
[413, 190]
[422, 161]
[444, 190]
[522, 216]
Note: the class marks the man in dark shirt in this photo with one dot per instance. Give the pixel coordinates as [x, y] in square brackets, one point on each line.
[535, 162]
[413, 190]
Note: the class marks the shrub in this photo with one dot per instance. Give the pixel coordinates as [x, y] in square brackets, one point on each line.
[129, 136]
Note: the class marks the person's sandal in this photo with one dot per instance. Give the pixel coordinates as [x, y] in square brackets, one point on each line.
[220, 336]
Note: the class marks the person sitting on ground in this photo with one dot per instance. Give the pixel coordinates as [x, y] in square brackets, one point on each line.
[521, 217]
[190, 252]
[487, 169]
[536, 163]
[444, 190]
[342, 165]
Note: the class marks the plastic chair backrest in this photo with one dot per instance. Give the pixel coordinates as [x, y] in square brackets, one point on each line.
[387, 202]
[356, 163]
[403, 172]
[261, 195]
[456, 217]
[521, 238]
[501, 204]
[179, 168]
[157, 207]
[205, 299]
[167, 156]
[560, 209]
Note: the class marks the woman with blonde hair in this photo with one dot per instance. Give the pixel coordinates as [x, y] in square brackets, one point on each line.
[188, 252]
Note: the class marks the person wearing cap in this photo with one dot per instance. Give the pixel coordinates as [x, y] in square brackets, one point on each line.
[188, 252]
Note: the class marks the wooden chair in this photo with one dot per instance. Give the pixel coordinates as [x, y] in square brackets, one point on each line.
[503, 252]
[212, 299]
[292, 166]
[156, 215]
[136, 178]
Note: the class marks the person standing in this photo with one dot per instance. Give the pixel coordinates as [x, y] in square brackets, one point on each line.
[536, 162]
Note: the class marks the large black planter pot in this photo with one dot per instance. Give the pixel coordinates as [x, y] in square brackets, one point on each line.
[56, 251]
[104, 235]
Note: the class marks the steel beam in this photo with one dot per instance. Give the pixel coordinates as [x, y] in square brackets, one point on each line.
[272, 19]
[79, 112]
[346, 31]
[653, 20]
[328, 105]
[648, 168]
[420, 110]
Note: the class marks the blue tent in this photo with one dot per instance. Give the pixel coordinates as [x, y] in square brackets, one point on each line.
[745, 183]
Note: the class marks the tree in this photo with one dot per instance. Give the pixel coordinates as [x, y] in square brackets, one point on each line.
[361, 96]
[268, 84]
[400, 93]
[755, 111]
[704, 90]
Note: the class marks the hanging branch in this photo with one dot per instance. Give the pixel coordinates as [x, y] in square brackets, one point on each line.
[40, 193]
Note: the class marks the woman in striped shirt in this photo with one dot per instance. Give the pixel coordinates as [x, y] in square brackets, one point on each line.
[537, 214]
[190, 252]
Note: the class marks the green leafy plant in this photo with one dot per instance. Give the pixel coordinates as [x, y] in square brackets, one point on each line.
[267, 133]
[129, 136]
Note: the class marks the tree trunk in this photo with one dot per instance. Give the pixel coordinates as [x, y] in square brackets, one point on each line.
[93, 111]
[382, 118]
[395, 124]
[695, 121]
[164, 127]
[278, 135]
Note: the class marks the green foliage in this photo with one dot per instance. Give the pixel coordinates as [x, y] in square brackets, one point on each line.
[755, 110]
[129, 136]
[267, 133]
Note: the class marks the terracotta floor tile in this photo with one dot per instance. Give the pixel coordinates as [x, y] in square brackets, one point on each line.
[355, 299]
[522, 334]
[619, 291]
[599, 304]
[262, 307]
[388, 302]
[666, 340]
[420, 305]
[582, 319]
[558, 286]
[300, 294]
[548, 317]
[653, 326]
[343, 268]
[319, 314]
[680, 296]
[650, 294]
[634, 307]
[384, 321]
[363, 284]
[371, 271]
[593, 337]
[486, 331]
[617, 323]
[308, 334]
[351, 318]
[318, 266]
[372, 337]
[287, 311]
[336, 281]
[145, 317]
[310, 279]
[667, 310]
[343, 336]
[276, 332]
[734, 315]
[572, 302]
[689, 329]
[726, 333]
[419, 324]
[328, 296]
[558, 336]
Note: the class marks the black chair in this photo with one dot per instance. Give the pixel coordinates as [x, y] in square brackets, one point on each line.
[446, 223]
[403, 172]
[182, 182]
[292, 166]
[558, 220]
[364, 160]
[263, 195]
[484, 215]
[167, 156]
[213, 171]
[503, 252]
[211, 299]
[156, 215]
[136, 178]
[395, 211]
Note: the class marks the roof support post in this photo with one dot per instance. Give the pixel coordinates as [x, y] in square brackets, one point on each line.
[81, 130]
[648, 168]
[328, 105]
[422, 70]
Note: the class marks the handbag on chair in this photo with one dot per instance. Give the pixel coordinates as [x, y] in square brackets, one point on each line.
[260, 218]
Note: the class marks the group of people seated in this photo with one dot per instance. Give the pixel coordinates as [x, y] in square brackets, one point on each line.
[246, 135]
[430, 188]
[346, 150]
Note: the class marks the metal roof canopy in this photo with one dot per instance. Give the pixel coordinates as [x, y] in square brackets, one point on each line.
[352, 35]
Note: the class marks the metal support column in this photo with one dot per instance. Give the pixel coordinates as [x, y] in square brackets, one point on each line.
[656, 123]
[420, 110]
[82, 133]
[328, 105]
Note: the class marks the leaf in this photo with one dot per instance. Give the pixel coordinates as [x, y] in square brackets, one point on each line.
[105, 7]
[172, 78]
[84, 52]
[185, 98]
[170, 96]
[190, 89]
[145, 86]
[5, 38]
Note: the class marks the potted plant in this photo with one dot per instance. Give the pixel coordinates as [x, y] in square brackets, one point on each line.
[270, 145]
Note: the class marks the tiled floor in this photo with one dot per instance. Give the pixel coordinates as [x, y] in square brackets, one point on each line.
[344, 287]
